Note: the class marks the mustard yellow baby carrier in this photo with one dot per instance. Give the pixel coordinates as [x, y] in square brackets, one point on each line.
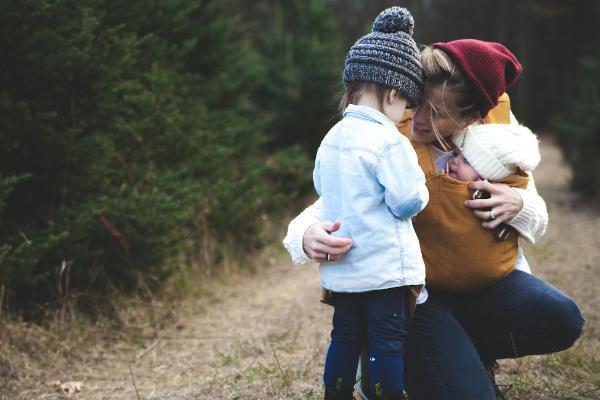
[460, 255]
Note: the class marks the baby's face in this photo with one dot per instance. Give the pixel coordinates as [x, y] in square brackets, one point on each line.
[460, 169]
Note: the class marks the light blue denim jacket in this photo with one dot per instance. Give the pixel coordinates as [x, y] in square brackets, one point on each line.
[368, 177]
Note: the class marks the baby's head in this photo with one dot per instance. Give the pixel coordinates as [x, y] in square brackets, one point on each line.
[459, 168]
[493, 152]
[385, 63]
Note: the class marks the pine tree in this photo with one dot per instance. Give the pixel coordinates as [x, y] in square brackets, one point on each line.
[579, 129]
[127, 134]
[303, 77]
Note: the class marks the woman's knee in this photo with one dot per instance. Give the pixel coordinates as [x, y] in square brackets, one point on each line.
[567, 321]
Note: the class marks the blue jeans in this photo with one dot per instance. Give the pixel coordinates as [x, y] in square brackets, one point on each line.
[378, 318]
[451, 337]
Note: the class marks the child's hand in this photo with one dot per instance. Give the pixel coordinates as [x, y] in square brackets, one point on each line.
[504, 204]
[320, 246]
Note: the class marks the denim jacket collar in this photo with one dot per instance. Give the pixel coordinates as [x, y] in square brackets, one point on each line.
[368, 114]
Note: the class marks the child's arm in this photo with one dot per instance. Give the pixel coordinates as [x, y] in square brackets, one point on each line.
[403, 180]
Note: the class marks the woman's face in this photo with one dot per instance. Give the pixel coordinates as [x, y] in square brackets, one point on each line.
[438, 109]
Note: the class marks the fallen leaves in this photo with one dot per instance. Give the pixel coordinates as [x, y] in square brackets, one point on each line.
[66, 387]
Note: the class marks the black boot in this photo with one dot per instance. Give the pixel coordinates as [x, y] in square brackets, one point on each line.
[340, 392]
[399, 396]
[337, 395]
[379, 395]
[500, 390]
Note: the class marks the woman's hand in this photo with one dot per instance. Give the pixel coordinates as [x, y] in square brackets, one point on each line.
[505, 203]
[320, 246]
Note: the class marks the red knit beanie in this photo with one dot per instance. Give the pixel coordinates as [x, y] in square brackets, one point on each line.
[490, 66]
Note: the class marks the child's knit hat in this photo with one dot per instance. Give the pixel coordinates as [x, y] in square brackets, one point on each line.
[495, 151]
[388, 55]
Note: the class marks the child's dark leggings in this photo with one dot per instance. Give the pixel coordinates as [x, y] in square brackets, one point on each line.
[381, 317]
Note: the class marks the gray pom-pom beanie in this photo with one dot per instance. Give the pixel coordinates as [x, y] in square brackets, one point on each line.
[388, 55]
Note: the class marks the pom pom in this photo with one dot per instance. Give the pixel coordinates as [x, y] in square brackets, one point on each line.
[394, 19]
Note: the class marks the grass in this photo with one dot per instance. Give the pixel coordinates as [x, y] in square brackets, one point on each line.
[261, 333]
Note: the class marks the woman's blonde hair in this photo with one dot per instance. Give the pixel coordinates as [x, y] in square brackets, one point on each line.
[440, 71]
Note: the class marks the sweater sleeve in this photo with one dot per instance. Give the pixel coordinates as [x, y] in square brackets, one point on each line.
[296, 228]
[531, 222]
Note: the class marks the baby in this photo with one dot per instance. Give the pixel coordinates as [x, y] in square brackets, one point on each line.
[493, 154]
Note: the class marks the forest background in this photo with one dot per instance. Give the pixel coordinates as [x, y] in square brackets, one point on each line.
[142, 140]
[153, 151]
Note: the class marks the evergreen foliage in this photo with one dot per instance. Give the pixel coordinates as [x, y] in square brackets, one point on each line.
[579, 129]
[304, 73]
[131, 131]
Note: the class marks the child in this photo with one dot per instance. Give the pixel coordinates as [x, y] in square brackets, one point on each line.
[368, 176]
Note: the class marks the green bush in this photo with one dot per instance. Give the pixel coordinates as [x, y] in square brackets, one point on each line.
[579, 129]
[304, 72]
[128, 133]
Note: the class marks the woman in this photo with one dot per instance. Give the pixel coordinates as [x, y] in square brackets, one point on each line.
[454, 338]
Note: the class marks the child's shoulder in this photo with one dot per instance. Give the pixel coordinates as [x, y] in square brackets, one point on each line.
[375, 132]
[352, 134]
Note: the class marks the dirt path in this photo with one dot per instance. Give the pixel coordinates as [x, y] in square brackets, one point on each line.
[265, 340]
[261, 337]
[265, 336]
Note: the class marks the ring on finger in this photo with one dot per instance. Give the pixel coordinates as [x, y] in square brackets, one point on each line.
[492, 216]
[327, 257]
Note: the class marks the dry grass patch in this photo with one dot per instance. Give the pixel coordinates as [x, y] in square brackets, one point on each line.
[264, 335]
